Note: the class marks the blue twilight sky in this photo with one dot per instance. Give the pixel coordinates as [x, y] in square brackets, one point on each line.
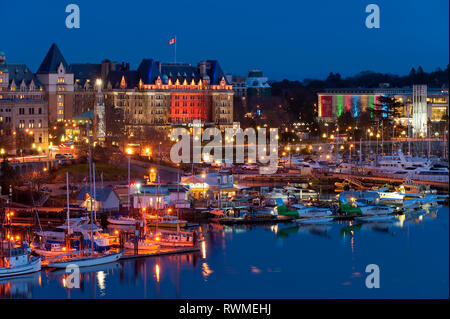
[286, 39]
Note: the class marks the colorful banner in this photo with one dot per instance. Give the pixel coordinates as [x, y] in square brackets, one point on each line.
[326, 106]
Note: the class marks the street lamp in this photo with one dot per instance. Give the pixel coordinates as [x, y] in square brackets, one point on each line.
[129, 151]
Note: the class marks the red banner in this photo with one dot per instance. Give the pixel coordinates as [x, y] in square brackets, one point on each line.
[326, 103]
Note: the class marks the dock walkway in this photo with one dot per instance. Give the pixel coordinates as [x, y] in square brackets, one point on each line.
[129, 253]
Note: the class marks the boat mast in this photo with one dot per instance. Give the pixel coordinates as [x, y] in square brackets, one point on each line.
[95, 190]
[90, 184]
[68, 203]
[178, 198]
[157, 204]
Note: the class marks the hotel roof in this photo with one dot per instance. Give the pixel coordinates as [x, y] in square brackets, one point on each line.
[20, 72]
[52, 60]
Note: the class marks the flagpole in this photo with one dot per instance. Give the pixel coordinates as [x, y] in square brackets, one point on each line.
[175, 49]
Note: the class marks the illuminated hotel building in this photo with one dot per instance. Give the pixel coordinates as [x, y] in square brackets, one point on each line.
[157, 95]
[23, 108]
[58, 83]
[432, 104]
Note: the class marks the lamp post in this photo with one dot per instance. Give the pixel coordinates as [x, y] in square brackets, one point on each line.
[129, 151]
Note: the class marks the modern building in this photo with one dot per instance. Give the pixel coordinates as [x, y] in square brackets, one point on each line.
[58, 82]
[23, 109]
[421, 103]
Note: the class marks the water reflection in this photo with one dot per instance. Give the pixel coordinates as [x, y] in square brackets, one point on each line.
[235, 261]
[19, 287]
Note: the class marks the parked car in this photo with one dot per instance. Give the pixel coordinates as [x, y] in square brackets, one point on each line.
[68, 155]
[59, 156]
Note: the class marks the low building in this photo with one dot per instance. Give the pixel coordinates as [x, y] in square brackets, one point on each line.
[103, 200]
[210, 186]
[151, 197]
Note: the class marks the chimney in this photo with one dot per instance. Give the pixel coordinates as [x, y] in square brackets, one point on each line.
[106, 68]
[158, 65]
[202, 68]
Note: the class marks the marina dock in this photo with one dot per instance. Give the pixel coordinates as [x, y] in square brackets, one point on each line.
[282, 179]
[130, 253]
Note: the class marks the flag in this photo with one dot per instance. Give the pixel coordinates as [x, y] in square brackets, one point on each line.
[173, 41]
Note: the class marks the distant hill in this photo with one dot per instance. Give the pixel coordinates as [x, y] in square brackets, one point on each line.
[371, 79]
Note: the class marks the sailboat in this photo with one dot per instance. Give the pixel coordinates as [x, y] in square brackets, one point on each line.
[87, 257]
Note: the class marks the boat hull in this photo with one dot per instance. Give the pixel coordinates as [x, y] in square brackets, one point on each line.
[86, 262]
[128, 222]
[166, 225]
[317, 220]
[33, 266]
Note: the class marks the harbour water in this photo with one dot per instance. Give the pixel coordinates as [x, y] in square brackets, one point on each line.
[274, 261]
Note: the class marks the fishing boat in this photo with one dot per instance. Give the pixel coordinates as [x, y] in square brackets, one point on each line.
[16, 259]
[122, 220]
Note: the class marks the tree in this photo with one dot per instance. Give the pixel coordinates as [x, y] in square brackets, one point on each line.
[388, 109]
[8, 175]
[345, 120]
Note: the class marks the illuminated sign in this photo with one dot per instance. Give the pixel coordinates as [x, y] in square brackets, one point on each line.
[198, 186]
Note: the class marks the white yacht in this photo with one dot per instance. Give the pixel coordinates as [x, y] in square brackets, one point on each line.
[399, 164]
[432, 172]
